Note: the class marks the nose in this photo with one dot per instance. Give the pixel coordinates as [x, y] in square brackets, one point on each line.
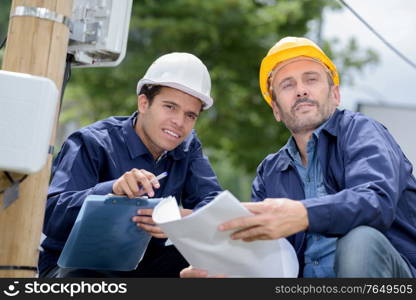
[302, 91]
[178, 119]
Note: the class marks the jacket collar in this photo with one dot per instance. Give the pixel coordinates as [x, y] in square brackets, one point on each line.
[283, 160]
[331, 125]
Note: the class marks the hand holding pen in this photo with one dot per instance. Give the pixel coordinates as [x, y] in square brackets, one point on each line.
[135, 183]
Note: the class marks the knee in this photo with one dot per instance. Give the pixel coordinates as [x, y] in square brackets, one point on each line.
[362, 238]
[358, 251]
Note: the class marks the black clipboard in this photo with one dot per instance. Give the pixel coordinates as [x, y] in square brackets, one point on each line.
[104, 237]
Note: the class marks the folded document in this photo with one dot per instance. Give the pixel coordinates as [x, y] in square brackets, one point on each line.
[197, 237]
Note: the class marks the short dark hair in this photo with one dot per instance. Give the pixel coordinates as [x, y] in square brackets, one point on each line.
[150, 91]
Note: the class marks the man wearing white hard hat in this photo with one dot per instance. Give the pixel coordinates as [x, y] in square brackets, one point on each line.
[123, 156]
[341, 190]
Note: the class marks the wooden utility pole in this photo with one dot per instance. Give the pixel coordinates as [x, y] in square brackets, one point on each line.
[35, 46]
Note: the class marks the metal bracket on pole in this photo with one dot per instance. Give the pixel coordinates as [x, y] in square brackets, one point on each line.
[41, 13]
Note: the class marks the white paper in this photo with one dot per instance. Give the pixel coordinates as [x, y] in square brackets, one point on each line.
[197, 237]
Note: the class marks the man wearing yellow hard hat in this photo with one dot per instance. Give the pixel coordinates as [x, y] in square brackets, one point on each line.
[341, 190]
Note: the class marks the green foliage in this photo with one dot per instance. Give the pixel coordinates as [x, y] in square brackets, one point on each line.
[4, 20]
[4, 17]
[231, 37]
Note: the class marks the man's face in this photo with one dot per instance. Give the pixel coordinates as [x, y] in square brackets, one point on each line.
[165, 123]
[304, 98]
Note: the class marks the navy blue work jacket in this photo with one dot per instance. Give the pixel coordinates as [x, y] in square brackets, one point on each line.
[92, 158]
[368, 178]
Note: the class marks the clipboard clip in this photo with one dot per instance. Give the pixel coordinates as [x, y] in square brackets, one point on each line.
[124, 200]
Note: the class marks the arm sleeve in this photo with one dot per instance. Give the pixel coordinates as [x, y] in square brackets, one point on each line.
[75, 176]
[375, 172]
[258, 187]
[201, 185]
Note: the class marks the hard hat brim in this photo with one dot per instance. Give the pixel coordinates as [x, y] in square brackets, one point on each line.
[206, 101]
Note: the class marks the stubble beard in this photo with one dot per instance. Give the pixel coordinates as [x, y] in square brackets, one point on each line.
[297, 124]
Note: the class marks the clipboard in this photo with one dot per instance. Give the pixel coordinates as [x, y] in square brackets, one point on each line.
[104, 237]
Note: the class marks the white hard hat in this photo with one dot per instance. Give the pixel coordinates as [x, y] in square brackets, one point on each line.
[182, 71]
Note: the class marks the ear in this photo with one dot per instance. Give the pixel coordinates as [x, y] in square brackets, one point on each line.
[336, 95]
[276, 111]
[142, 103]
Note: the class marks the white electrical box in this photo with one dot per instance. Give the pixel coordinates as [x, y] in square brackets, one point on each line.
[99, 32]
[28, 107]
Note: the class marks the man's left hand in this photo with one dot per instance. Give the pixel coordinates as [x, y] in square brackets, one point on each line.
[145, 221]
[273, 218]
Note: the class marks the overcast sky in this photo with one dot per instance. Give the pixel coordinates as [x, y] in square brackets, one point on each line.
[392, 80]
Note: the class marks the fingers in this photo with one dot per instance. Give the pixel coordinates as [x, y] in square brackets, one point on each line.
[185, 212]
[147, 181]
[132, 186]
[121, 187]
[144, 220]
[256, 238]
[273, 218]
[249, 234]
[144, 216]
[145, 212]
[254, 207]
[153, 230]
[251, 228]
[191, 272]
[239, 223]
[265, 206]
[217, 276]
[135, 183]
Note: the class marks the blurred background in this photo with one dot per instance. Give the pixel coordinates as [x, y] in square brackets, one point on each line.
[231, 37]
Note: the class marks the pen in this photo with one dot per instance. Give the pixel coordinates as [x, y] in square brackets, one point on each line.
[160, 176]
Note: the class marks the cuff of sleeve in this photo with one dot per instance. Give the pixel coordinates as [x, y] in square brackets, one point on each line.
[211, 196]
[103, 188]
[319, 214]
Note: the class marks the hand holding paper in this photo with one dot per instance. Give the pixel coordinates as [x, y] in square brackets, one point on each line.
[198, 239]
[272, 219]
[145, 221]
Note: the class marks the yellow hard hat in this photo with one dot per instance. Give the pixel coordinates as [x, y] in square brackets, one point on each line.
[287, 48]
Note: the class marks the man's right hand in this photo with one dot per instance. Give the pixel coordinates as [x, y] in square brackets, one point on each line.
[135, 183]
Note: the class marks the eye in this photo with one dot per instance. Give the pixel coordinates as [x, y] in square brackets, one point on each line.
[311, 78]
[191, 117]
[287, 85]
[169, 106]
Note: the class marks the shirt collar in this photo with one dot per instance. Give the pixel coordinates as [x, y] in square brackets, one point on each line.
[291, 149]
[133, 141]
[137, 148]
